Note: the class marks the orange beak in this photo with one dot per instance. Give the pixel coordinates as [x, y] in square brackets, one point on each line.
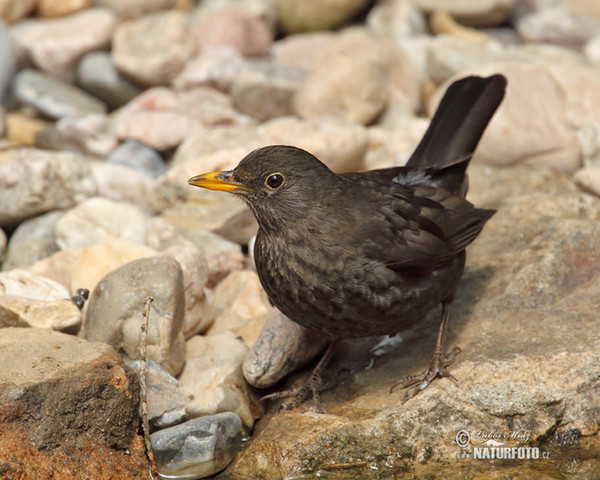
[221, 180]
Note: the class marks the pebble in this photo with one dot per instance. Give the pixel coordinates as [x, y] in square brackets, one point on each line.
[11, 11]
[56, 45]
[481, 13]
[396, 19]
[21, 283]
[27, 189]
[309, 15]
[235, 28]
[98, 75]
[212, 382]
[53, 97]
[352, 88]
[299, 49]
[17, 311]
[198, 448]
[161, 118]
[264, 89]
[61, 8]
[97, 220]
[154, 48]
[22, 129]
[239, 305]
[588, 178]
[32, 240]
[138, 157]
[115, 306]
[339, 143]
[214, 67]
[8, 60]
[91, 135]
[58, 267]
[92, 264]
[589, 140]
[136, 8]
[558, 25]
[281, 348]
[164, 401]
[194, 267]
[122, 184]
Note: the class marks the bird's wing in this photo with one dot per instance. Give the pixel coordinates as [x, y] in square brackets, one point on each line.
[419, 229]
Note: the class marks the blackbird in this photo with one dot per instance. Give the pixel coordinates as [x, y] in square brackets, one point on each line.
[368, 253]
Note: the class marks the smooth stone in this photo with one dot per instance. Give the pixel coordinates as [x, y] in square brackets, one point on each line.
[588, 178]
[59, 267]
[589, 141]
[164, 401]
[3, 242]
[154, 48]
[53, 97]
[98, 75]
[95, 262]
[91, 135]
[67, 405]
[115, 306]
[98, 220]
[558, 25]
[22, 129]
[264, 89]
[299, 49]
[194, 267]
[592, 50]
[139, 157]
[215, 67]
[61, 8]
[397, 19]
[212, 381]
[11, 11]
[336, 142]
[217, 145]
[483, 13]
[21, 283]
[236, 28]
[309, 15]
[352, 88]
[56, 45]
[197, 448]
[8, 60]
[136, 8]
[32, 240]
[17, 311]
[122, 183]
[282, 347]
[28, 189]
[161, 117]
[239, 305]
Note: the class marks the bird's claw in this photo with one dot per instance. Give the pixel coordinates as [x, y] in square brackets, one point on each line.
[437, 368]
[300, 394]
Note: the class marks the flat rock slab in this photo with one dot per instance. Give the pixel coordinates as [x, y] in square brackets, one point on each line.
[67, 406]
[526, 318]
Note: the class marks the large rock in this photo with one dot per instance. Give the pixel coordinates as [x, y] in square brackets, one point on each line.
[525, 317]
[34, 182]
[114, 314]
[296, 17]
[67, 405]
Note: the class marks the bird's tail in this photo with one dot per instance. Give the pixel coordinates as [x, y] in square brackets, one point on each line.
[459, 121]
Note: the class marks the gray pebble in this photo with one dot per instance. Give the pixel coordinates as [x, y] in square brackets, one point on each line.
[8, 59]
[53, 97]
[197, 448]
[138, 156]
[97, 74]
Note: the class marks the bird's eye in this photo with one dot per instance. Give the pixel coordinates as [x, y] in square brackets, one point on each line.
[275, 181]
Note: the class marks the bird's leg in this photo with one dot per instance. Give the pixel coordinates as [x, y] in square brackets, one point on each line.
[438, 363]
[311, 386]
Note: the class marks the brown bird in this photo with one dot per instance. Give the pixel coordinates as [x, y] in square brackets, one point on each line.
[368, 253]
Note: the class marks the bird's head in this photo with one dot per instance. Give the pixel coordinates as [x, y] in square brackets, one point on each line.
[280, 183]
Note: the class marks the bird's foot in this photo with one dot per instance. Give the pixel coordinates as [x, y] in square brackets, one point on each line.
[312, 386]
[437, 368]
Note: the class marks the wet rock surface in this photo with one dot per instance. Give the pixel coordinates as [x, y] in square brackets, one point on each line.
[108, 107]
